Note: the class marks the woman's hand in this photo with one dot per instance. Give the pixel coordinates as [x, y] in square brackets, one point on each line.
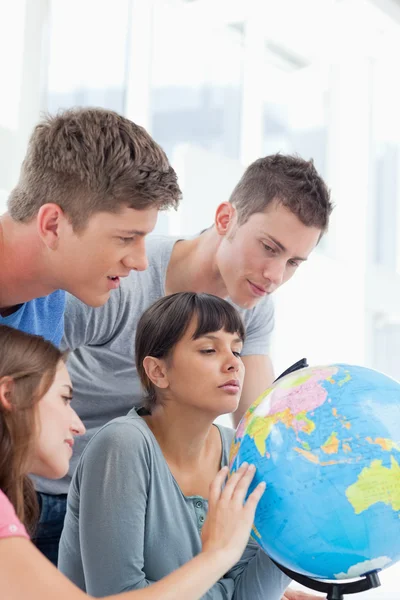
[230, 518]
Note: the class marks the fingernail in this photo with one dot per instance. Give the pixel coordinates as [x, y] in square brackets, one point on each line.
[251, 468]
[244, 464]
[262, 484]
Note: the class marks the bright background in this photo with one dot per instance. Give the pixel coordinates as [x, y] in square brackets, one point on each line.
[219, 83]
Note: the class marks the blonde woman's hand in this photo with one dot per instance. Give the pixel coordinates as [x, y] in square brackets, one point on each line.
[230, 518]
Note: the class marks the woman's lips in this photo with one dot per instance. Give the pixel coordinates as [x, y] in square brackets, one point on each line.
[232, 386]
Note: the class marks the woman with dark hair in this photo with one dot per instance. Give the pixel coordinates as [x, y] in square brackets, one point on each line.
[140, 495]
[37, 430]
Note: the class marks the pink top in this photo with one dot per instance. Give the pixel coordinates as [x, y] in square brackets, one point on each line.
[10, 525]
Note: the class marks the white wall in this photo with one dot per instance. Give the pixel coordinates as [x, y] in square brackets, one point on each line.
[22, 50]
[206, 179]
[3, 200]
[318, 315]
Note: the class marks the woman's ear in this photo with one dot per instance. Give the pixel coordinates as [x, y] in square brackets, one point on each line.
[156, 371]
[6, 385]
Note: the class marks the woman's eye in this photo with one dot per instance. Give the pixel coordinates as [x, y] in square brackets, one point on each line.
[237, 354]
[66, 399]
[207, 351]
[126, 240]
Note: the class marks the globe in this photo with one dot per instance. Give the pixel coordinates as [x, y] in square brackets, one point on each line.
[326, 440]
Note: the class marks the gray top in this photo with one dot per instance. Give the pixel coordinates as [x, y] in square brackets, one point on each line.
[128, 523]
[102, 366]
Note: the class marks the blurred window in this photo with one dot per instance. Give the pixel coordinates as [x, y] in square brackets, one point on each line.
[196, 80]
[88, 54]
[296, 111]
[386, 161]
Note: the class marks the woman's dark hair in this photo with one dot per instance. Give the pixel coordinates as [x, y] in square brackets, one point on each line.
[29, 364]
[165, 322]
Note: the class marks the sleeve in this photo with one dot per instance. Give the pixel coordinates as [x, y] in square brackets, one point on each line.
[259, 328]
[10, 525]
[85, 325]
[257, 577]
[114, 476]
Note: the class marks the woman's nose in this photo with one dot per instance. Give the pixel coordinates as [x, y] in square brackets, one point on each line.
[234, 363]
[77, 427]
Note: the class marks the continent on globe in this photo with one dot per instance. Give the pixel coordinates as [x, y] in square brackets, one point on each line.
[376, 483]
[385, 444]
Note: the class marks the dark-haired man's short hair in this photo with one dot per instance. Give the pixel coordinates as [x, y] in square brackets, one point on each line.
[289, 180]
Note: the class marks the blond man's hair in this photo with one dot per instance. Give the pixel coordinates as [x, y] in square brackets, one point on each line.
[91, 160]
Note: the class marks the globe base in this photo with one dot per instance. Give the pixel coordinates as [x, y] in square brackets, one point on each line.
[335, 590]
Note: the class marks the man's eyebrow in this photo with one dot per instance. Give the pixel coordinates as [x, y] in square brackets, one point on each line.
[131, 232]
[282, 247]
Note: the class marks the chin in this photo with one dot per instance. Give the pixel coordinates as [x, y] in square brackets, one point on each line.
[51, 472]
[243, 301]
[95, 301]
[252, 302]
[56, 471]
[59, 473]
[228, 407]
[238, 299]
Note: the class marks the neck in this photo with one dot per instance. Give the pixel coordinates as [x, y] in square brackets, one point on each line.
[193, 266]
[184, 433]
[24, 270]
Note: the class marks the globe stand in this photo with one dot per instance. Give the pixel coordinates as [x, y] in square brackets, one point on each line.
[335, 590]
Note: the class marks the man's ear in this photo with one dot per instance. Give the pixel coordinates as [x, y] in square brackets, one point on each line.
[156, 371]
[6, 386]
[49, 221]
[225, 218]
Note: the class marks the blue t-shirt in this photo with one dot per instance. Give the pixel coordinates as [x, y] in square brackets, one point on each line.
[41, 316]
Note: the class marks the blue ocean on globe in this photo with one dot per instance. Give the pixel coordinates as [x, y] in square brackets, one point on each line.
[326, 440]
